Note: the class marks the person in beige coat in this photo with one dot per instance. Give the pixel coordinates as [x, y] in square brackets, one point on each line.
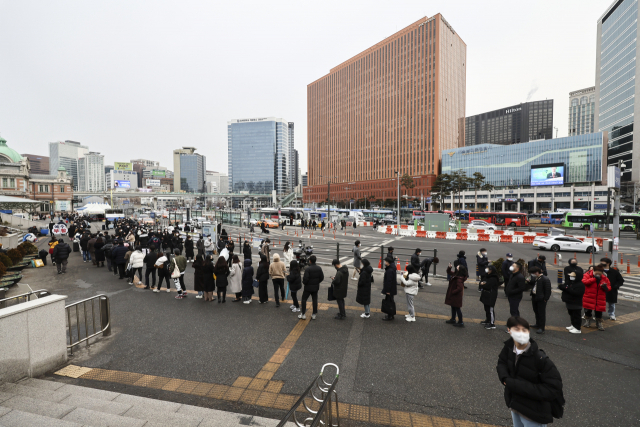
[235, 278]
[277, 271]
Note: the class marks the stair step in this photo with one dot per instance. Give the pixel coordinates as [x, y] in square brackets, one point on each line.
[35, 393]
[36, 406]
[91, 418]
[36, 383]
[99, 405]
[18, 418]
[168, 418]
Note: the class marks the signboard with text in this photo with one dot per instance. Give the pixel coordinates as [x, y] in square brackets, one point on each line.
[159, 173]
[122, 184]
[153, 182]
[121, 166]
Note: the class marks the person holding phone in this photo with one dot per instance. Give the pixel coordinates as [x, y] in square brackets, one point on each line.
[455, 293]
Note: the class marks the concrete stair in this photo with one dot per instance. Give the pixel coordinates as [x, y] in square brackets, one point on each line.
[33, 402]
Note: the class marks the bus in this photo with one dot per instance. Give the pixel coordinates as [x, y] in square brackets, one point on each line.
[420, 214]
[514, 219]
[583, 220]
[378, 213]
[552, 218]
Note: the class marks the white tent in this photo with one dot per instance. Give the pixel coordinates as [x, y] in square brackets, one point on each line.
[93, 208]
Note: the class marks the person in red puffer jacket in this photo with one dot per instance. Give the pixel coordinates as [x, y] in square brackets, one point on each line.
[595, 295]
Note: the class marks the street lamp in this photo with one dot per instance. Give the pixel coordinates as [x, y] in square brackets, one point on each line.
[348, 188]
[398, 219]
[329, 178]
[616, 215]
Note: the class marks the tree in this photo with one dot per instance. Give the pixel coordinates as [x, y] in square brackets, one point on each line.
[459, 182]
[477, 182]
[441, 188]
[406, 181]
[489, 188]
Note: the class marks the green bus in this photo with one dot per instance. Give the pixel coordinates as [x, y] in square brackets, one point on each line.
[582, 220]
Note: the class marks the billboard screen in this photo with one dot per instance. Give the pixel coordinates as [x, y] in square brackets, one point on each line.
[122, 184]
[120, 166]
[160, 173]
[551, 174]
[153, 182]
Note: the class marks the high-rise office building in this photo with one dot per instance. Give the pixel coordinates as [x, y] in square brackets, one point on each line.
[295, 170]
[66, 154]
[38, 164]
[91, 176]
[139, 165]
[304, 180]
[528, 121]
[393, 107]
[616, 75]
[259, 155]
[291, 163]
[189, 170]
[582, 107]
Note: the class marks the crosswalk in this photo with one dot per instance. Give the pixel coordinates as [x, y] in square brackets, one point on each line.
[631, 287]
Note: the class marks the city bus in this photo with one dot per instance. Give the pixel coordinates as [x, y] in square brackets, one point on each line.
[583, 220]
[514, 219]
[552, 218]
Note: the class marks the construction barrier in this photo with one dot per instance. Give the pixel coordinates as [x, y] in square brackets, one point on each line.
[483, 237]
[461, 236]
[518, 233]
[441, 235]
[404, 227]
[506, 239]
[432, 235]
[421, 233]
[494, 238]
[473, 237]
[451, 235]
[528, 239]
[498, 231]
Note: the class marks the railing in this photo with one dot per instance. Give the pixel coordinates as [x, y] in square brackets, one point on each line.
[324, 415]
[90, 331]
[288, 199]
[16, 299]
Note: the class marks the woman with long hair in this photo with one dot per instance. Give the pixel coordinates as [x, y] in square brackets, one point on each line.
[198, 276]
[209, 281]
[455, 292]
[222, 271]
[262, 276]
[235, 279]
[295, 284]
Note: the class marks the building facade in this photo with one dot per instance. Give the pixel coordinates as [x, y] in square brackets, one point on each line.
[91, 176]
[121, 180]
[582, 108]
[617, 95]
[583, 156]
[293, 153]
[189, 170]
[393, 107]
[66, 154]
[259, 155]
[524, 122]
[39, 164]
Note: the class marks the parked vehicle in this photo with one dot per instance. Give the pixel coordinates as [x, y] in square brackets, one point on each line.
[481, 225]
[302, 254]
[565, 243]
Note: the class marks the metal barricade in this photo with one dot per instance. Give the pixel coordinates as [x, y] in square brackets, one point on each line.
[324, 415]
[17, 299]
[90, 330]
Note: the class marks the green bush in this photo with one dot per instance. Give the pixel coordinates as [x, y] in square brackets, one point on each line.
[3, 269]
[14, 255]
[5, 260]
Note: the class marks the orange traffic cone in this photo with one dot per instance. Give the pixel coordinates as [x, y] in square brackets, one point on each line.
[628, 266]
[621, 258]
[406, 265]
[555, 258]
[590, 258]
[398, 264]
[380, 263]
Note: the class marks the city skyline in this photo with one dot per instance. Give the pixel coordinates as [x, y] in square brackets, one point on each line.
[173, 102]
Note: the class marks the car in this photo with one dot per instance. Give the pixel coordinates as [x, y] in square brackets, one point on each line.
[477, 224]
[565, 243]
[267, 223]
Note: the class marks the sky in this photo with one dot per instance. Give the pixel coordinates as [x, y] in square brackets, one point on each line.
[137, 79]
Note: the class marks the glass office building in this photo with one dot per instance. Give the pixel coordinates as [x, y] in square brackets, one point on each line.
[192, 172]
[582, 107]
[510, 165]
[616, 74]
[259, 155]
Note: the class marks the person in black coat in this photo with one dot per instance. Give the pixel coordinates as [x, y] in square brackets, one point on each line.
[539, 262]
[209, 281]
[363, 295]
[295, 284]
[262, 276]
[482, 262]
[531, 380]
[311, 280]
[247, 281]
[246, 250]
[514, 289]
[425, 266]
[340, 285]
[150, 262]
[60, 254]
[540, 294]
[389, 284]
[117, 255]
[489, 295]
[572, 293]
[506, 264]
[198, 276]
[221, 271]
[188, 249]
[97, 247]
[616, 280]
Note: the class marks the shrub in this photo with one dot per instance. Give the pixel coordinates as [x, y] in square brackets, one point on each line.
[22, 250]
[31, 248]
[14, 255]
[3, 269]
[5, 260]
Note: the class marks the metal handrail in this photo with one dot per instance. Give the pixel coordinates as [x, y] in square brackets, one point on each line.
[104, 312]
[26, 295]
[324, 415]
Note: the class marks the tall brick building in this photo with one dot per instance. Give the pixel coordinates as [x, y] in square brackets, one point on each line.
[395, 106]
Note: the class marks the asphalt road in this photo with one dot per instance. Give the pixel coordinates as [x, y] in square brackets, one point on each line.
[426, 366]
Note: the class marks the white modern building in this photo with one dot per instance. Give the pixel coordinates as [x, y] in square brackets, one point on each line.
[582, 108]
[121, 180]
[91, 176]
[66, 154]
[217, 182]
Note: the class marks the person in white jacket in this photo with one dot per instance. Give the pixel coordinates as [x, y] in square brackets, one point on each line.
[208, 245]
[137, 262]
[235, 278]
[409, 281]
[288, 254]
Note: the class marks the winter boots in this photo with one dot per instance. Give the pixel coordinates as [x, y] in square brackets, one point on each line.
[599, 325]
[586, 323]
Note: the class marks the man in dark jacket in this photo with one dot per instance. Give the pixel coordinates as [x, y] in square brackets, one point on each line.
[531, 380]
[540, 294]
[540, 263]
[340, 284]
[426, 266]
[506, 273]
[415, 263]
[313, 276]
[60, 255]
[117, 258]
[84, 242]
[389, 283]
[514, 289]
[573, 268]
[150, 262]
[482, 262]
[616, 280]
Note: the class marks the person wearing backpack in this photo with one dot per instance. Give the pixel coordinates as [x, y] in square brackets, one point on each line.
[532, 383]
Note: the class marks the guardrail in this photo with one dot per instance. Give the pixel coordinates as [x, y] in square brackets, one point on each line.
[90, 331]
[324, 415]
[4, 303]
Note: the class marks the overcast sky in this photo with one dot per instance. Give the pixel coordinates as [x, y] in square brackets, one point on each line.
[136, 79]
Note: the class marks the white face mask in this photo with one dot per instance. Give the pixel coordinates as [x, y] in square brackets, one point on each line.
[484, 254]
[486, 270]
[520, 337]
[510, 259]
[511, 268]
[572, 278]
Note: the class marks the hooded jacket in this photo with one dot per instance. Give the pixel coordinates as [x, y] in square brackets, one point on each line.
[247, 279]
[390, 281]
[595, 297]
[572, 292]
[294, 279]
[340, 283]
[246, 251]
[235, 278]
[61, 251]
[482, 261]
[455, 290]
[363, 294]
[410, 283]
[137, 259]
[489, 293]
[313, 276]
[277, 269]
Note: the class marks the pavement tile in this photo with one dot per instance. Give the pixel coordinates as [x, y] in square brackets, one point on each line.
[187, 387]
[258, 384]
[379, 416]
[250, 396]
[202, 389]
[274, 386]
[4, 411]
[217, 391]
[271, 367]
[265, 375]
[94, 404]
[88, 392]
[38, 406]
[402, 419]
[266, 399]
[242, 382]
[98, 375]
[359, 413]
[145, 380]
[4, 396]
[162, 406]
[73, 371]
[284, 401]
[36, 393]
[233, 394]
[157, 382]
[168, 418]
[36, 383]
[442, 422]
[123, 377]
[172, 385]
[463, 423]
[26, 419]
[277, 359]
[101, 419]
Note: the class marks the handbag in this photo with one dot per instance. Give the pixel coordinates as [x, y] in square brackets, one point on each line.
[176, 270]
[388, 307]
[129, 268]
[330, 296]
[255, 283]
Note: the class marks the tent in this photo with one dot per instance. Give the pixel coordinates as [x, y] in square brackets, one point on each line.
[8, 202]
[93, 208]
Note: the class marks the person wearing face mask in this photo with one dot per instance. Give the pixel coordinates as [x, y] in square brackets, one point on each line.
[572, 292]
[482, 262]
[455, 293]
[506, 264]
[539, 262]
[514, 289]
[616, 280]
[489, 295]
[595, 296]
[531, 380]
[340, 284]
[540, 294]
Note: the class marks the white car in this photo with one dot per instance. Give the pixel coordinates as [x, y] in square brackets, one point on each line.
[565, 243]
[481, 225]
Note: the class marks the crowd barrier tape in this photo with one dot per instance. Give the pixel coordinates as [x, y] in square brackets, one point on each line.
[472, 237]
[506, 238]
[451, 235]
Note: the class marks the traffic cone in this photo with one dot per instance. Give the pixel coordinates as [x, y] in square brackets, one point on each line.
[575, 254]
[380, 263]
[555, 258]
[621, 258]
[398, 264]
[628, 266]
[590, 255]
[638, 260]
[406, 265]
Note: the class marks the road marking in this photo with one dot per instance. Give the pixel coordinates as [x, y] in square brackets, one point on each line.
[250, 391]
[268, 371]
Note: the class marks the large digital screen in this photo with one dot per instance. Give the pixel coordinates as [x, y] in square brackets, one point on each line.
[551, 174]
[122, 184]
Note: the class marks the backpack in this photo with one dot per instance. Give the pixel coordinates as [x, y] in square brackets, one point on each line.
[557, 405]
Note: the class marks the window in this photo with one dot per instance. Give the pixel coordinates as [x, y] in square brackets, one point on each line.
[43, 188]
[62, 188]
[601, 193]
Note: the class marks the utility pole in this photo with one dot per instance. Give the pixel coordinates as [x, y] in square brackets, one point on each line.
[616, 209]
[328, 195]
[398, 219]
